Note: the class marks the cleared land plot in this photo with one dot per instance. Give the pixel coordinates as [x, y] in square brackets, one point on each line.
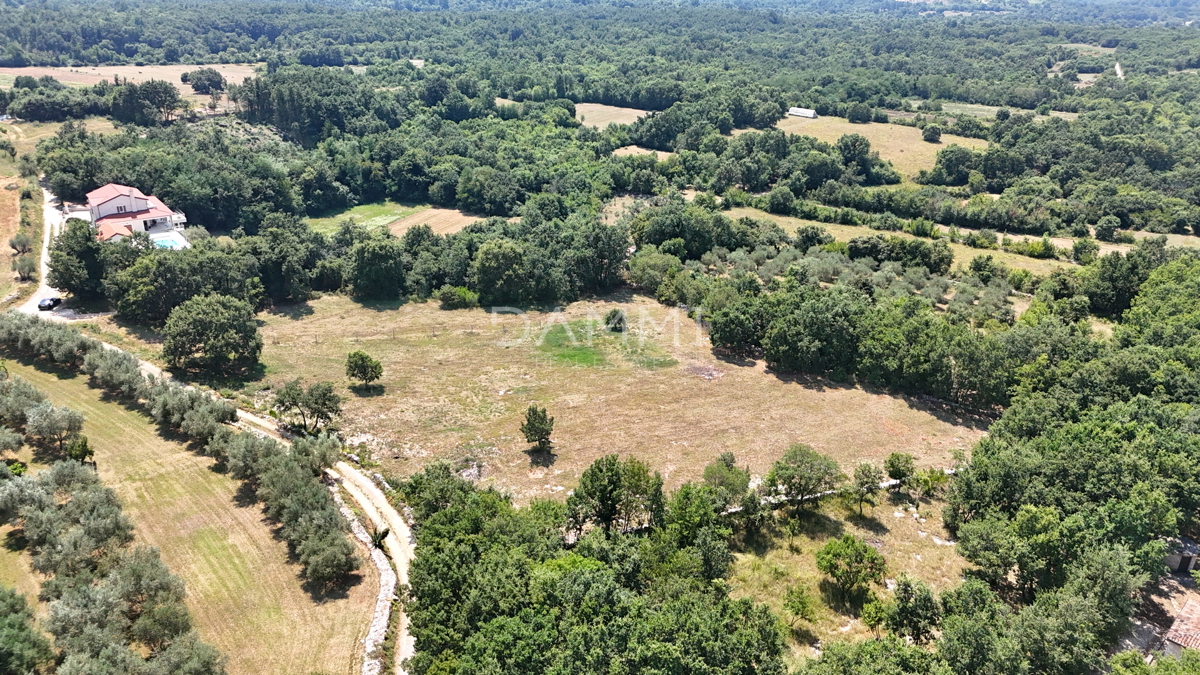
[245, 597]
[1090, 50]
[600, 116]
[962, 254]
[910, 546]
[989, 111]
[440, 220]
[89, 75]
[456, 385]
[376, 214]
[25, 136]
[631, 150]
[900, 145]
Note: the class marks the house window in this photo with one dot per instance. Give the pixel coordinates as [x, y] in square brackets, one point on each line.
[120, 209]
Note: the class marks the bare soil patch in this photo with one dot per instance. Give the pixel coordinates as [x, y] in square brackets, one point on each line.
[600, 116]
[440, 220]
[456, 385]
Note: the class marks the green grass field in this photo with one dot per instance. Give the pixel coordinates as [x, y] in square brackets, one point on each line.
[245, 596]
[376, 214]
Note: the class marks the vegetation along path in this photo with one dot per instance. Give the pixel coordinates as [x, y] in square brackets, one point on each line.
[245, 595]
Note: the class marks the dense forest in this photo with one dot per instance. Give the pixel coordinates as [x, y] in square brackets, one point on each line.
[1065, 511]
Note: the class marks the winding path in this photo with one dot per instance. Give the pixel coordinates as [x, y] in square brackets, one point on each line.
[370, 499]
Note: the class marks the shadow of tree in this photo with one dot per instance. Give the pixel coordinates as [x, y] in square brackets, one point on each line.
[868, 522]
[538, 456]
[846, 604]
[15, 541]
[367, 390]
[293, 312]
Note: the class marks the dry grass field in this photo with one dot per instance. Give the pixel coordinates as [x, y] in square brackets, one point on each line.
[600, 116]
[989, 111]
[962, 254]
[631, 150]
[10, 221]
[246, 598]
[25, 137]
[89, 75]
[919, 548]
[900, 145]
[440, 220]
[456, 385]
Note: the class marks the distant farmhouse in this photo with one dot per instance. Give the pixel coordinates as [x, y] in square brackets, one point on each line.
[118, 211]
[803, 112]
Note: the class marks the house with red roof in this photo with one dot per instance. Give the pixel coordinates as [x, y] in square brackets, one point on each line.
[1185, 632]
[118, 211]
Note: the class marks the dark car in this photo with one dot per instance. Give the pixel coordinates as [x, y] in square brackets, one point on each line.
[49, 303]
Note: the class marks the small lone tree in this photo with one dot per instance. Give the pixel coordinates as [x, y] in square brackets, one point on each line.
[317, 405]
[78, 448]
[867, 478]
[932, 134]
[799, 604]
[899, 467]
[851, 563]
[360, 366]
[916, 612]
[537, 427]
[614, 320]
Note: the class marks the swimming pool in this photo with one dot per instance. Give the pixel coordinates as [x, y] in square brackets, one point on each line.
[173, 240]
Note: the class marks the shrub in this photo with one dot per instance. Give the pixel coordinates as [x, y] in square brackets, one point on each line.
[614, 320]
[457, 297]
[932, 134]
[537, 427]
[851, 563]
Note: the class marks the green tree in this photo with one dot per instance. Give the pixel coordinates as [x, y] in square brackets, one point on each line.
[25, 266]
[360, 366]
[377, 269]
[78, 448]
[500, 273]
[899, 467]
[932, 134]
[915, 613]
[867, 478]
[317, 406]
[215, 331]
[724, 476]
[204, 81]
[851, 563]
[802, 475]
[537, 427]
[1106, 228]
[23, 649]
[52, 423]
[800, 604]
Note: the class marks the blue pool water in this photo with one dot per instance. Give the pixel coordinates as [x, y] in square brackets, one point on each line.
[173, 240]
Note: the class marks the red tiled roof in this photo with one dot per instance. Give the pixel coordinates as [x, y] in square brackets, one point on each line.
[109, 230]
[157, 210]
[1185, 632]
[110, 191]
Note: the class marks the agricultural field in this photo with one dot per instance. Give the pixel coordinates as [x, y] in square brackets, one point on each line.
[962, 253]
[456, 385]
[901, 145]
[373, 215]
[440, 220]
[600, 116]
[244, 595]
[89, 75]
[909, 533]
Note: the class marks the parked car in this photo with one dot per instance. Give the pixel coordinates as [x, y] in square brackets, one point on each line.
[49, 304]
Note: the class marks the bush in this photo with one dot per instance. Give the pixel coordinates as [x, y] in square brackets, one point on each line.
[614, 320]
[457, 297]
[851, 563]
[932, 134]
[780, 201]
[1106, 228]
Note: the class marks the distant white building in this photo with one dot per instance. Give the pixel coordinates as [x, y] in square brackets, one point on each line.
[803, 112]
[119, 210]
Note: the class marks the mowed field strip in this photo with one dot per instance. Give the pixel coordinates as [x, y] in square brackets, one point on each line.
[901, 145]
[245, 597]
[440, 220]
[456, 385]
[600, 116]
